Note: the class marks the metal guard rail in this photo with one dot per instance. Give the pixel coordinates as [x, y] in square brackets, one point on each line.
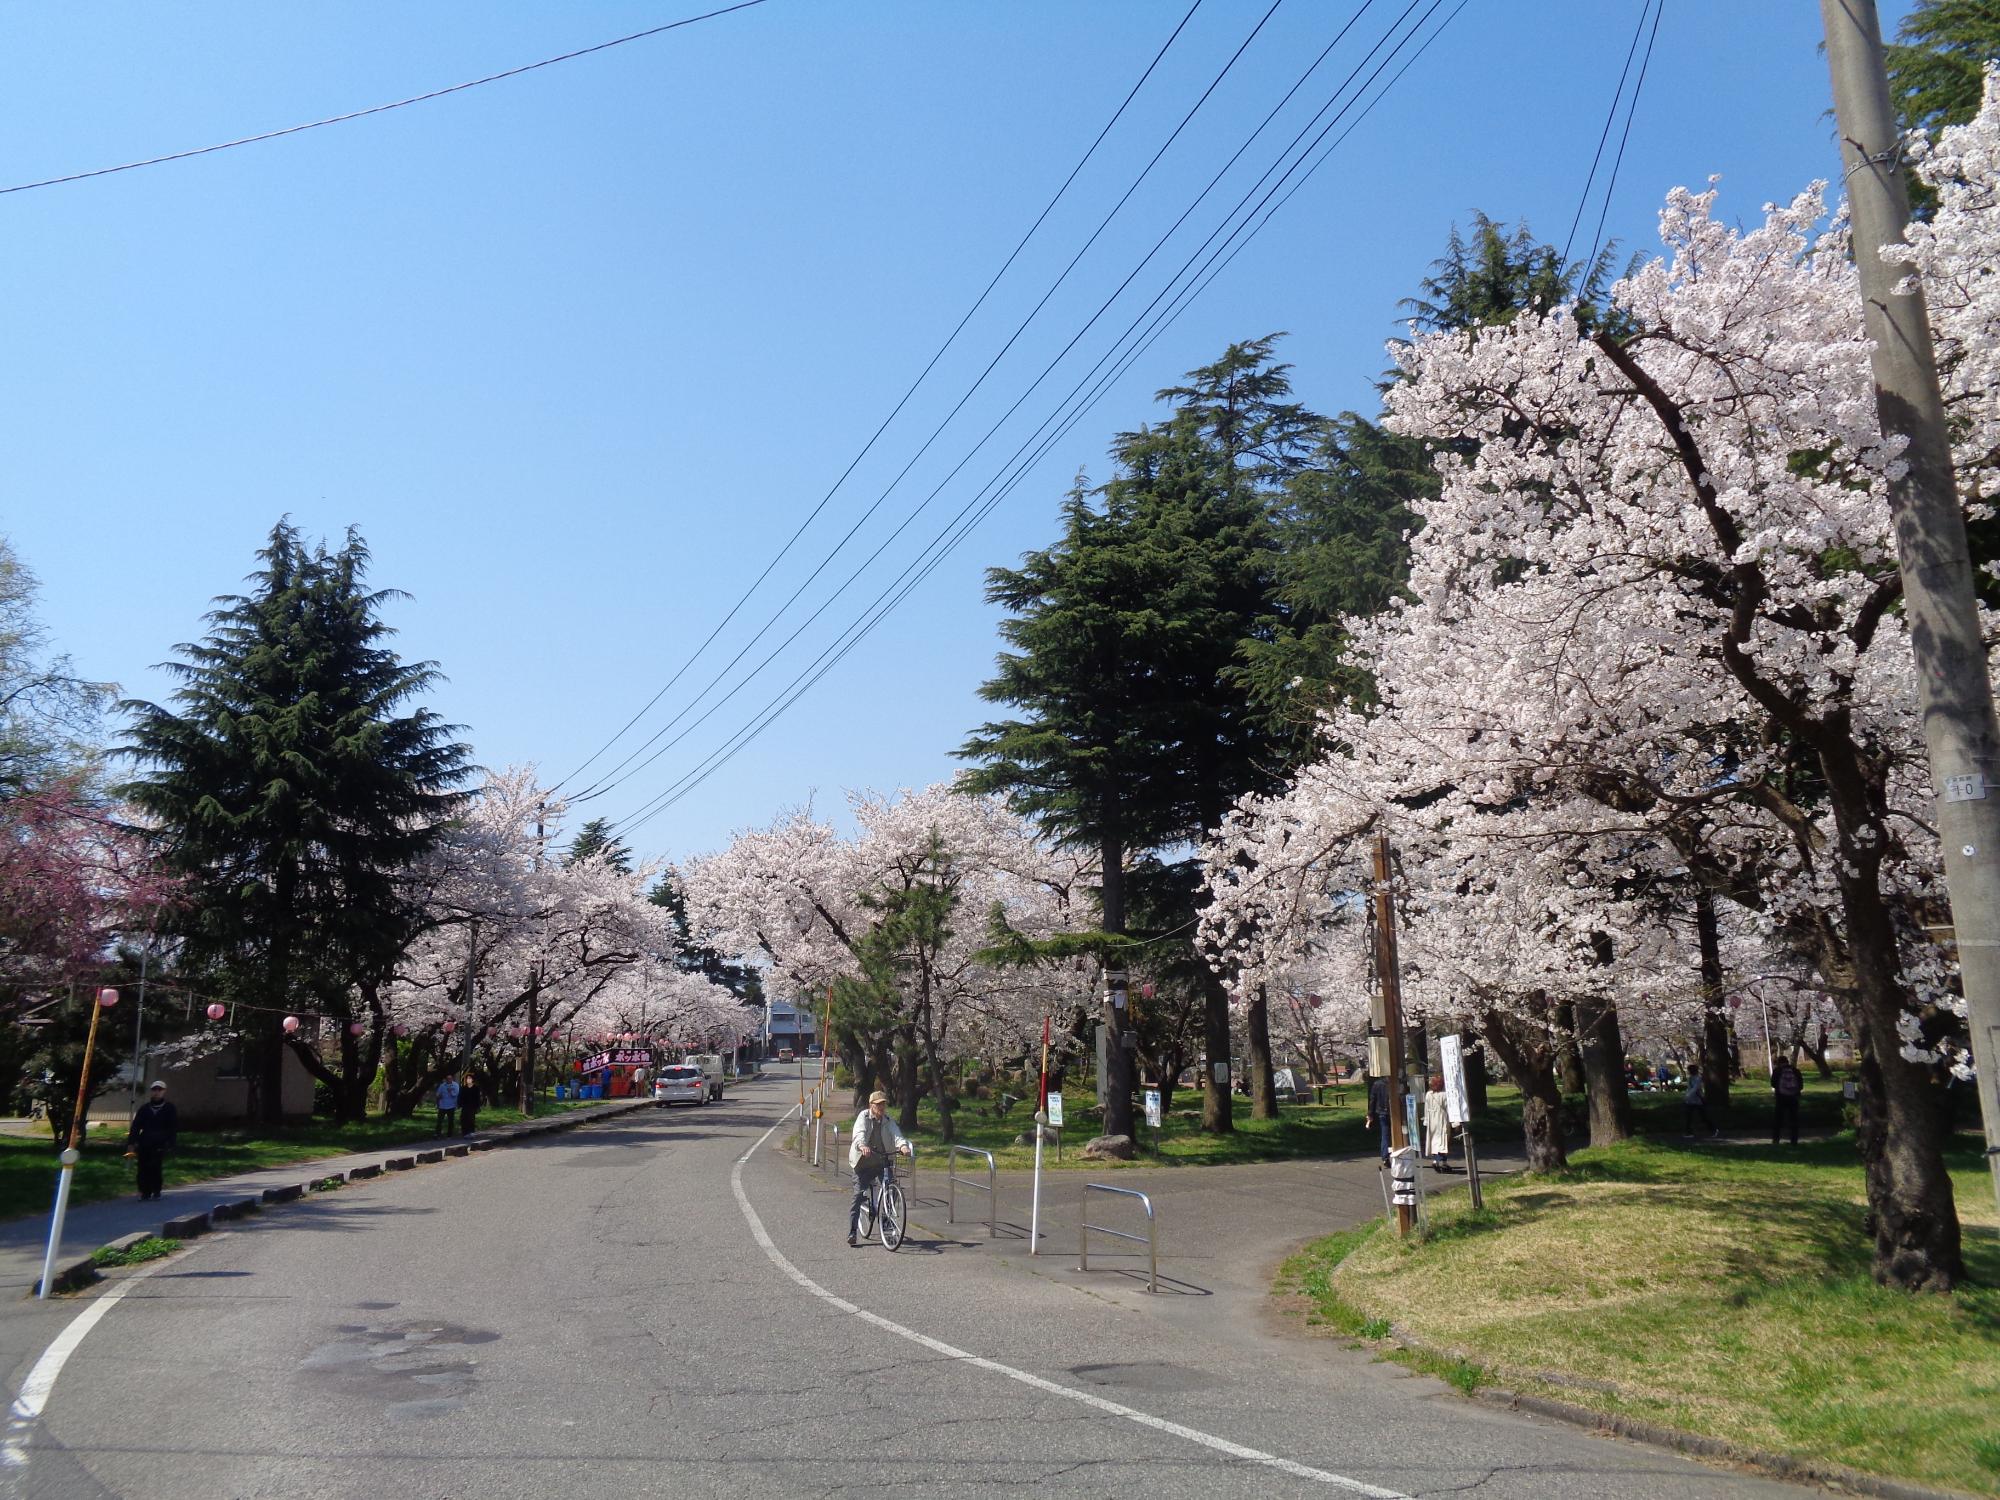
[1149, 1238]
[952, 1180]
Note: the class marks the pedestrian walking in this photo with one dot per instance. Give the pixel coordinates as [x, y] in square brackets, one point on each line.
[470, 1099]
[1378, 1112]
[1787, 1083]
[1437, 1126]
[447, 1107]
[1695, 1103]
[155, 1131]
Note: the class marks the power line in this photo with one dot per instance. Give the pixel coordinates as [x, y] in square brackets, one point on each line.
[956, 530]
[613, 777]
[1035, 384]
[1610, 119]
[378, 109]
[1611, 182]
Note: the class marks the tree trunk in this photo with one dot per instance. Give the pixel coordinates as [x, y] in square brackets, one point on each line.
[909, 1085]
[1715, 1070]
[1120, 1061]
[1816, 1048]
[937, 1085]
[1218, 1110]
[1529, 1059]
[1602, 1046]
[1569, 1059]
[1263, 1088]
[1475, 1078]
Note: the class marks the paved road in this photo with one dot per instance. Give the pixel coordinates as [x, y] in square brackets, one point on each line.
[641, 1307]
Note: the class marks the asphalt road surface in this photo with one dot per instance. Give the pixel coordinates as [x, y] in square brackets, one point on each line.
[658, 1306]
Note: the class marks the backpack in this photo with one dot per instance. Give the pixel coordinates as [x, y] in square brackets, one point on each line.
[1790, 1085]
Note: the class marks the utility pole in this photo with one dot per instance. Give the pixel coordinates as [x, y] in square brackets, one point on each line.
[1385, 1014]
[1955, 692]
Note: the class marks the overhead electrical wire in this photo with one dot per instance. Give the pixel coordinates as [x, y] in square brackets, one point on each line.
[1032, 451]
[934, 553]
[611, 778]
[1604, 135]
[379, 109]
[894, 412]
[1611, 183]
[1022, 399]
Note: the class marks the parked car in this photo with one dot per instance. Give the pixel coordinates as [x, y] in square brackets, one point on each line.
[679, 1083]
[710, 1064]
[784, 1054]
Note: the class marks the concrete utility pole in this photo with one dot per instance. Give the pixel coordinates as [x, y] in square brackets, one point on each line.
[1385, 1013]
[1956, 694]
[534, 991]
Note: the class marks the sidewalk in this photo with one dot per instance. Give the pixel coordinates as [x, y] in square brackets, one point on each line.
[23, 1241]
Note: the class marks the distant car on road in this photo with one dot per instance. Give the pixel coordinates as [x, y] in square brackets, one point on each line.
[784, 1054]
[680, 1083]
[710, 1064]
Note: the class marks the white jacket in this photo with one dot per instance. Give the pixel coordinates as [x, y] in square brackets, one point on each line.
[891, 1136]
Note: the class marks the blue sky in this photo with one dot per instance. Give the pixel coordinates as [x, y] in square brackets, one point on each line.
[576, 351]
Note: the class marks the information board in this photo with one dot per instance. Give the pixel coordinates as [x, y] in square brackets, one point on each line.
[1451, 1056]
[1153, 1108]
[1055, 1110]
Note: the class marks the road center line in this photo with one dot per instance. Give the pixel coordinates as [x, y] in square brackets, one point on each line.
[1068, 1393]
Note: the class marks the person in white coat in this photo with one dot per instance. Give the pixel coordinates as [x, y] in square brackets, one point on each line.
[1437, 1126]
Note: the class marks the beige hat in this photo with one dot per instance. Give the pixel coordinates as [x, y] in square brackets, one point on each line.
[878, 1097]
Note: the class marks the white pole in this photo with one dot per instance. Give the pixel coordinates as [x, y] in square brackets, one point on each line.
[1035, 1207]
[69, 1161]
[1770, 1052]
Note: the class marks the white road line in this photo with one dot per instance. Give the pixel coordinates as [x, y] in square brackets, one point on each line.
[35, 1390]
[1068, 1393]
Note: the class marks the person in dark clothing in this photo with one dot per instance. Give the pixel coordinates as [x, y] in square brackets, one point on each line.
[155, 1131]
[1378, 1112]
[469, 1102]
[1787, 1083]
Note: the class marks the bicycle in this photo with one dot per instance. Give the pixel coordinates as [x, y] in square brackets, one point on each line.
[885, 1209]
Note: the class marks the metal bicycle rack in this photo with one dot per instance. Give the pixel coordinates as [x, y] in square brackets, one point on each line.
[1148, 1239]
[952, 1181]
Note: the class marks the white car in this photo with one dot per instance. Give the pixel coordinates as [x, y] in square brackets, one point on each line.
[680, 1083]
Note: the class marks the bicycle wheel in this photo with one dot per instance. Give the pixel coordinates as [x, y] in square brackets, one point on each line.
[892, 1215]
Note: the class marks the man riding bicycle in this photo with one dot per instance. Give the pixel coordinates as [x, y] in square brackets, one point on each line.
[875, 1137]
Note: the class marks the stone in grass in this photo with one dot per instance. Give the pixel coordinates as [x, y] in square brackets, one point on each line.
[1098, 1148]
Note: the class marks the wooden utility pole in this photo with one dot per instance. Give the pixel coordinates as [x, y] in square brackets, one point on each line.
[1955, 692]
[1385, 1018]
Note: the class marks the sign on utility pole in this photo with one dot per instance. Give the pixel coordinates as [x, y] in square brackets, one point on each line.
[1955, 691]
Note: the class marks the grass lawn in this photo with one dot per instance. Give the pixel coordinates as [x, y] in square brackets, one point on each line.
[1309, 1130]
[28, 1163]
[1721, 1290]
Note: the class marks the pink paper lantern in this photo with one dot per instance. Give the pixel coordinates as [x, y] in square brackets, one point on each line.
[399, 1029]
[449, 1027]
[291, 1024]
[355, 1028]
[217, 1011]
[107, 998]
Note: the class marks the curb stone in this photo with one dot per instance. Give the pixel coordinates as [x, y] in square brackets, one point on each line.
[186, 1227]
[287, 1194]
[458, 1150]
[399, 1164]
[235, 1208]
[427, 1158]
[358, 1174]
[129, 1241]
[73, 1277]
[1806, 1471]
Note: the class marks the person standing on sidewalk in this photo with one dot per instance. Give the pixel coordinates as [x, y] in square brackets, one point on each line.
[1787, 1083]
[470, 1099]
[1437, 1126]
[155, 1131]
[447, 1105]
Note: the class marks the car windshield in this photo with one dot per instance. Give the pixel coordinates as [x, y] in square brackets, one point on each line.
[680, 1075]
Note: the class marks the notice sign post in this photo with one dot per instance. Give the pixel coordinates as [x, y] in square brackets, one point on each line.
[1153, 1117]
[1451, 1057]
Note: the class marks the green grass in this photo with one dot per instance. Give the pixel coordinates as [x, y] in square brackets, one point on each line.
[1313, 1130]
[1725, 1292]
[28, 1163]
[150, 1248]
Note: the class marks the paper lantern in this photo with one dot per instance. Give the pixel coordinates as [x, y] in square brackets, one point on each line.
[355, 1028]
[399, 1029]
[291, 1024]
[449, 1027]
[107, 998]
[217, 1011]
